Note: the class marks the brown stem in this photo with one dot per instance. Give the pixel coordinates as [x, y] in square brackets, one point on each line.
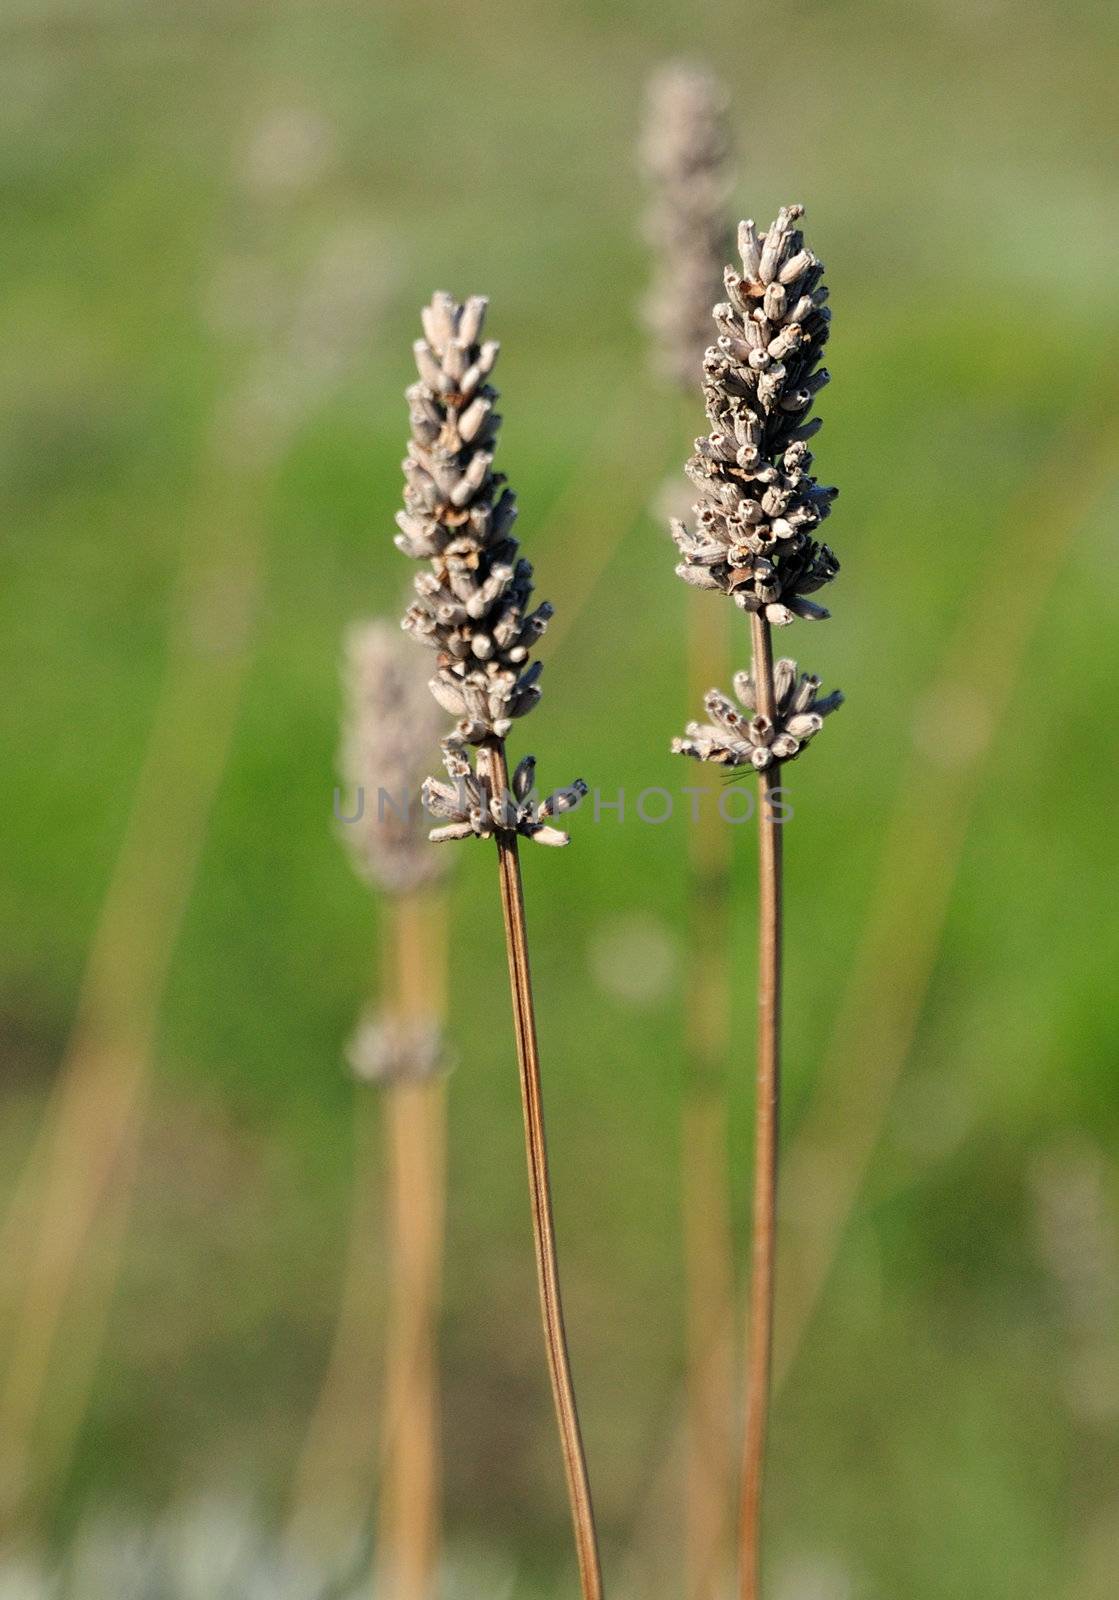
[415, 1136]
[409, 1512]
[528, 1057]
[405, 1187]
[759, 1354]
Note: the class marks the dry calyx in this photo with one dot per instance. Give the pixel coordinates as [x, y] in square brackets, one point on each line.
[759, 506]
[744, 737]
[473, 805]
[473, 605]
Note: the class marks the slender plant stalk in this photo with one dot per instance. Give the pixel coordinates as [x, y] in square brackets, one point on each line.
[759, 1348]
[408, 1547]
[905, 920]
[686, 151]
[415, 1137]
[390, 729]
[406, 1188]
[471, 605]
[339, 1443]
[753, 539]
[543, 1231]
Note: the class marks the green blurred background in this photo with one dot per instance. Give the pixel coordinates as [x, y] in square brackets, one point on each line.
[219, 224]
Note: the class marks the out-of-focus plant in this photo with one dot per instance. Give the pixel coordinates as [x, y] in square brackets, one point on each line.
[390, 730]
[686, 152]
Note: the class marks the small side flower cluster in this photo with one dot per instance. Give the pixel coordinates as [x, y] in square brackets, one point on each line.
[759, 505]
[735, 740]
[472, 805]
[387, 1049]
[473, 606]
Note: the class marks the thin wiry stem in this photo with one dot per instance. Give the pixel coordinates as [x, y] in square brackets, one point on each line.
[759, 1355]
[551, 1305]
[409, 1510]
[474, 607]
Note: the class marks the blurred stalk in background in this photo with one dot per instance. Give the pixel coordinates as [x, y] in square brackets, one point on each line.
[686, 153]
[390, 733]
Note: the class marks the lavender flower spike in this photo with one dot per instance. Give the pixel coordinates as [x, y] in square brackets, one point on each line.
[759, 505]
[473, 605]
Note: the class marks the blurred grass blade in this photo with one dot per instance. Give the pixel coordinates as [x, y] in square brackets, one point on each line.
[91, 1125]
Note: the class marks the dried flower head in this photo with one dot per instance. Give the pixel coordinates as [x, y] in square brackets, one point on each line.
[387, 1049]
[753, 740]
[473, 807]
[759, 504]
[390, 729]
[473, 606]
[686, 151]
